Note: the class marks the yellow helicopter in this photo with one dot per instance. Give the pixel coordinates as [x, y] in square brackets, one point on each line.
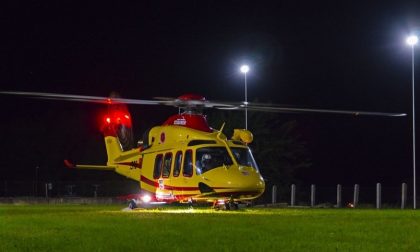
[184, 159]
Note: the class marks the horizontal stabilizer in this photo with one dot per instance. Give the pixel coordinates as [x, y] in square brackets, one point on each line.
[88, 167]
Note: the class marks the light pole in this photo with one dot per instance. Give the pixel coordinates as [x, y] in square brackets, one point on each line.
[412, 41]
[245, 69]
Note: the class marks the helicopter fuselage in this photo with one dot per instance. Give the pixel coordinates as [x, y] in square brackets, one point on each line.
[181, 164]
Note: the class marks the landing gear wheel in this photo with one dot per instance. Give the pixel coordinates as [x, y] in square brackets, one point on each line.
[231, 206]
[132, 204]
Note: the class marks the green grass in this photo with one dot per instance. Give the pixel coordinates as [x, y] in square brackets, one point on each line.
[107, 228]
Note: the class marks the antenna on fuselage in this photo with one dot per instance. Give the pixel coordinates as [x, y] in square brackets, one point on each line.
[221, 130]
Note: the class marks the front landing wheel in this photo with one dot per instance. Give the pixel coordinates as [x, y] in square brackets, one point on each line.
[231, 206]
[132, 204]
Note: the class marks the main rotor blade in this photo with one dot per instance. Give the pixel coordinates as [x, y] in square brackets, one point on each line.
[175, 102]
[82, 98]
[277, 109]
[193, 103]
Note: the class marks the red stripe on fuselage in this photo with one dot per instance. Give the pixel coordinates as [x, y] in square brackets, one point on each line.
[176, 188]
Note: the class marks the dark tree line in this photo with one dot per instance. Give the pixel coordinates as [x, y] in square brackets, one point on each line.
[278, 146]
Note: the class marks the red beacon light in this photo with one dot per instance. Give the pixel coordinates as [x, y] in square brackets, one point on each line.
[112, 121]
[118, 118]
[191, 97]
[191, 115]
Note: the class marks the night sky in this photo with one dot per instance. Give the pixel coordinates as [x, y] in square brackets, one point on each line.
[319, 55]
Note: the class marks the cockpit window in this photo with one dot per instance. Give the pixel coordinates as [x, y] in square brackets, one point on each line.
[209, 158]
[244, 157]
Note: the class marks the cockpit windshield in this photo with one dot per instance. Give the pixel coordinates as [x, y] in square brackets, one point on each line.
[208, 158]
[244, 157]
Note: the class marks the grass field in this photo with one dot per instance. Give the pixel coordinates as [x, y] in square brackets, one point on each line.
[107, 228]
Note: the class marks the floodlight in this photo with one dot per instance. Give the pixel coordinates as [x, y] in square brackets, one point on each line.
[244, 69]
[411, 40]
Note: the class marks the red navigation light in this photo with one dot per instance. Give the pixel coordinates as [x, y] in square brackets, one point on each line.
[118, 117]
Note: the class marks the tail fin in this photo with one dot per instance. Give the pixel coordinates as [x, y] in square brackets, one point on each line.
[113, 148]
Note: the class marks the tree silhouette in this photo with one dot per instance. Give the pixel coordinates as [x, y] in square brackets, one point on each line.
[278, 147]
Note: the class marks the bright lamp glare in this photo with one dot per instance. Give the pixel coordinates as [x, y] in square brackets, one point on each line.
[146, 198]
[244, 69]
[412, 40]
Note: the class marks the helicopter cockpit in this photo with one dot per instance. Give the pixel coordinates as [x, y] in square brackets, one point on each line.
[208, 158]
[244, 157]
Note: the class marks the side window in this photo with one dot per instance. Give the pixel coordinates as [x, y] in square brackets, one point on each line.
[188, 165]
[167, 163]
[178, 162]
[158, 166]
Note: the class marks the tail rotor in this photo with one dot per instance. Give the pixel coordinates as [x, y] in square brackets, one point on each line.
[117, 123]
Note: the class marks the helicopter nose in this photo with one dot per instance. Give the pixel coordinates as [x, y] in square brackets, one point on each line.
[236, 181]
[245, 179]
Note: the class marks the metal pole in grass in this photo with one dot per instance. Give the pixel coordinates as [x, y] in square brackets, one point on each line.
[339, 196]
[274, 195]
[46, 190]
[293, 195]
[356, 195]
[95, 193]
[378, 195]
[313, 195]
[403, 195]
